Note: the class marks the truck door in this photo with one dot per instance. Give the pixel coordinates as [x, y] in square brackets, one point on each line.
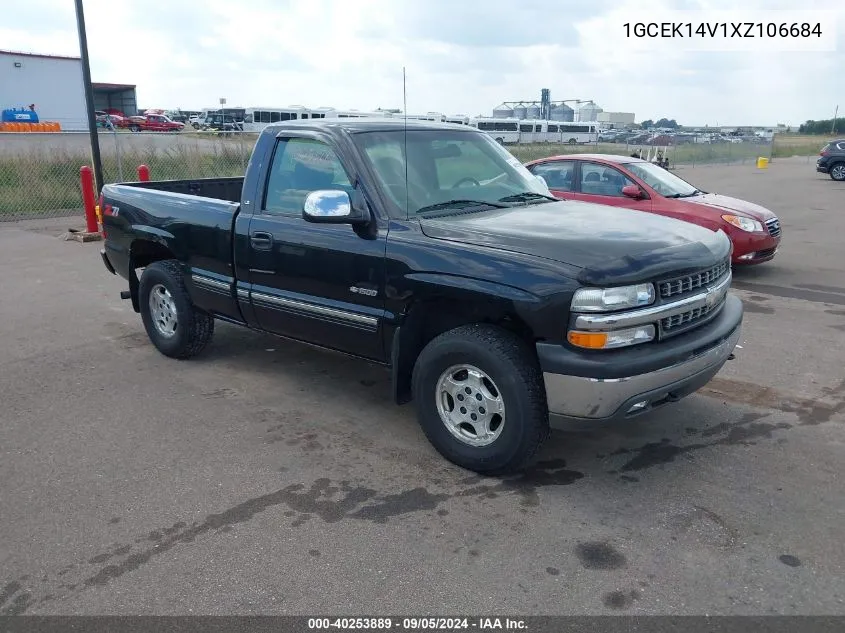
[321, 283]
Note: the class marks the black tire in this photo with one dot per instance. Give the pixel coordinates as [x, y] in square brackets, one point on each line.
[837, 171]
[515, 371]
[572, 141]
[194, 327]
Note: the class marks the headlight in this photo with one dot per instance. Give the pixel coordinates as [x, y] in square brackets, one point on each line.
[746, 224]
[610, 340]
[606, 299]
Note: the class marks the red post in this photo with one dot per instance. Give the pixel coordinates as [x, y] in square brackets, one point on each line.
[86, 181]
[143, 173]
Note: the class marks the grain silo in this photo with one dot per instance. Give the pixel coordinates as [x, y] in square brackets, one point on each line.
[589, 112]
[520, 111]
[562, 112]
[503, 111]
[532, 111]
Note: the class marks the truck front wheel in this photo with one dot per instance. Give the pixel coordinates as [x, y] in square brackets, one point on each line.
[174, 325]
[480, 399]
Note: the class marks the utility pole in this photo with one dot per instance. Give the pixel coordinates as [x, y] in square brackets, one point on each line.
[89, 99]
[833, 127]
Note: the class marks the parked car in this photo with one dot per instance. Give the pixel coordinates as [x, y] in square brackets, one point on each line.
[177, 115]
[222, 124]
[198, 120]
[152, 123]
[633, 183]
[498, 309]
[832, 160]
[110, 121]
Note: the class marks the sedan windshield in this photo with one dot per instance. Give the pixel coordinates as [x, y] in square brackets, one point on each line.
[447, 172]
[662, 181]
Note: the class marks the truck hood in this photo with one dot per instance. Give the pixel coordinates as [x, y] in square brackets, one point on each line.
[732, 205]
[609, 244]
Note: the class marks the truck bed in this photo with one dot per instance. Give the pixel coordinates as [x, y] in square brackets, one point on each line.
[193, 219]
[228, 189]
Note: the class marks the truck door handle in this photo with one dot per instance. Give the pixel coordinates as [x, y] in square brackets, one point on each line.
[261, 241]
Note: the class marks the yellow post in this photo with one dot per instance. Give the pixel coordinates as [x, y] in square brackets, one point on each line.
[762, 162]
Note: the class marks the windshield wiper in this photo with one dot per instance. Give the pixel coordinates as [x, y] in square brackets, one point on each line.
[685, 195]
[527, 196]
[462, 205]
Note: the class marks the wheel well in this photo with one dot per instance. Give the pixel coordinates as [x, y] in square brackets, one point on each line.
[142, 253]
[145, 252]
[427, 320]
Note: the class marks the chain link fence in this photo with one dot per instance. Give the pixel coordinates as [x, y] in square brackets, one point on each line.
[39, 172]
[685, 153]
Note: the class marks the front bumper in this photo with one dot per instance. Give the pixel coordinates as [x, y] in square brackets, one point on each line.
[630, 382]
[753, 248]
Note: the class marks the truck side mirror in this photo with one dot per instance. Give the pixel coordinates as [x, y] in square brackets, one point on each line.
[332, 206]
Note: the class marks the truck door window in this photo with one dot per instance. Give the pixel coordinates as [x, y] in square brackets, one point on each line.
[299, 167]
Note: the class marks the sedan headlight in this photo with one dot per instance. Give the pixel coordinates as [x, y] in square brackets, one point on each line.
[746, 224]
[608, 299]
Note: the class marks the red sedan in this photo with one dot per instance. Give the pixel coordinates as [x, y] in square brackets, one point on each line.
[622, 181]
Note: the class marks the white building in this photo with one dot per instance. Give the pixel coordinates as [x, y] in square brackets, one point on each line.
[53, 84]
[617, 119]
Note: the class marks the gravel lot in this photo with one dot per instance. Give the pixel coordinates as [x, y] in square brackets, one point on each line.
[268, 477]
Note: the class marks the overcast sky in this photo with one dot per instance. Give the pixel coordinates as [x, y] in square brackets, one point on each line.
[462, 56]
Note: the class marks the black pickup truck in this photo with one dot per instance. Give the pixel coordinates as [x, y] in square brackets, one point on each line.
[430, 249]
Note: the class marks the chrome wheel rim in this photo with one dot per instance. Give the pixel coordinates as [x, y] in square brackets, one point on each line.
[163, 311]
[838, 172]
[470, 405]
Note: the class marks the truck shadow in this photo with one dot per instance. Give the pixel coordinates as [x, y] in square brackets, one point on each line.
[359, 394]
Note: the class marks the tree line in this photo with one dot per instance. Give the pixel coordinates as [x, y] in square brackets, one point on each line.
[668, 123]
[822, 127]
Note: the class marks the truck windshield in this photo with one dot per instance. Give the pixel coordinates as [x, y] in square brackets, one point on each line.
[448, 172]
[663, 182]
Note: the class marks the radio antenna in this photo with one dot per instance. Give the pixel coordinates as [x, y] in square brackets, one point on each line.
[405, 117]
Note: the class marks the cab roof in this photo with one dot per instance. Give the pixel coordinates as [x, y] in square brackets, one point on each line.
[357, 125]
[609, 158]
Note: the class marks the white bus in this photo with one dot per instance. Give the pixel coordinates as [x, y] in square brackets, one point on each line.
[505, 130]
[457, 119]
[533, 131]
[572, 133]
[430, 116]
[257, 118]
[331, 113]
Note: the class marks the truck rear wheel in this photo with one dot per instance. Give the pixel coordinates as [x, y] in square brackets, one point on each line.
[480, 399]
[175, 326]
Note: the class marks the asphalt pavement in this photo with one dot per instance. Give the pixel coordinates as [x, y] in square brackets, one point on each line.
[267, 477]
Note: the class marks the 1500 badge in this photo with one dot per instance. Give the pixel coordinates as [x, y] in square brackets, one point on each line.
[370, 292]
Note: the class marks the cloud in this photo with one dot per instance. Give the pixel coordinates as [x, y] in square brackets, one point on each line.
[460, 56]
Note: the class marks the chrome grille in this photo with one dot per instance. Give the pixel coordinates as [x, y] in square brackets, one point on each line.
[773, 227]
[677, 320]
[700, 279]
